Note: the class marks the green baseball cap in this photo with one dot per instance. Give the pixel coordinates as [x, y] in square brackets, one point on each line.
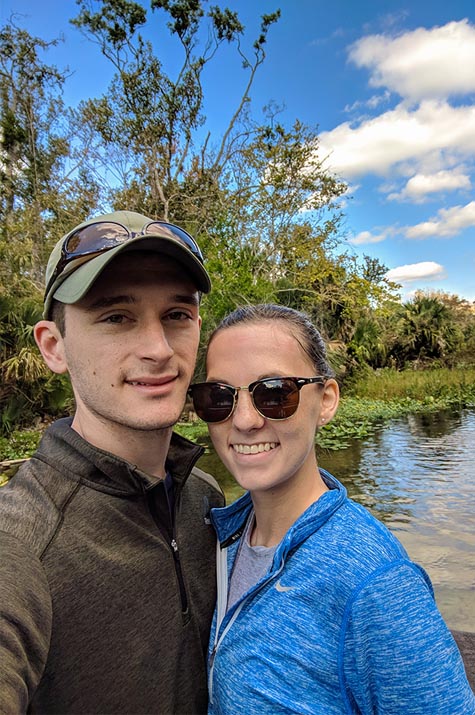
[81, 255]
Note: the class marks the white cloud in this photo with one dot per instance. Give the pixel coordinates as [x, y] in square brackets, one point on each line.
[448, 222]
[425, 66]
[400, 135]
[367, 237]
[370, 103]
[426, 270]
[424, 145]
[436, 62]
[421, 185]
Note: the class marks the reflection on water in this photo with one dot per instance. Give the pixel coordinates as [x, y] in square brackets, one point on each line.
[417, 476]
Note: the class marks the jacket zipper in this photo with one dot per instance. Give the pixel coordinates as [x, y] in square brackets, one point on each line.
[218, 639]
[173, 545]
[179, 573]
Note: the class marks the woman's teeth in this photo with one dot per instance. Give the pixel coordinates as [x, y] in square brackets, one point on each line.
[254, 448]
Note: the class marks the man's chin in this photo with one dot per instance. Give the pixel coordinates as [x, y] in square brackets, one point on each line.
[159, 425]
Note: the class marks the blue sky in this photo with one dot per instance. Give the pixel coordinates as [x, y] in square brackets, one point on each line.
[391, 86]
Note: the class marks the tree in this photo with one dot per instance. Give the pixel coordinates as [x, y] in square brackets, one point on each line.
[42, 193]
[154, 118]
[463, 316]
[285, 207]
[261, 247]
[426, 330]
[258, 198]
[26, 109]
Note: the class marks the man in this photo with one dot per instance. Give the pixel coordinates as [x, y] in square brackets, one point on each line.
[107, 581]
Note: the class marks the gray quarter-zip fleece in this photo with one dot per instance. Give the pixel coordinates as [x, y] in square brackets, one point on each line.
[103, 609]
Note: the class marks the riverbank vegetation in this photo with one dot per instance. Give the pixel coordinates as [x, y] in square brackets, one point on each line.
[258, 198]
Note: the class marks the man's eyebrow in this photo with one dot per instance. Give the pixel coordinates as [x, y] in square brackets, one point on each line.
[188, 298]
[108, 301]
[111, 300]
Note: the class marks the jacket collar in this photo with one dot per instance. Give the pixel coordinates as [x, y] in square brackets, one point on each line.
[63, 448]
[229, 521]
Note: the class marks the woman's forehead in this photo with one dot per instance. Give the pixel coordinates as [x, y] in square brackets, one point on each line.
[272, 343]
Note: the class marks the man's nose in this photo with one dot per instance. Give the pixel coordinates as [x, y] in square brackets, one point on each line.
[153, 343]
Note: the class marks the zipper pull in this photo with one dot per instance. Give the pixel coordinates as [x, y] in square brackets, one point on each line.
[174, 546]
[212, 657]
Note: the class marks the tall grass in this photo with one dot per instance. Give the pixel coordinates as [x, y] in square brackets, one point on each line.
[457, 384]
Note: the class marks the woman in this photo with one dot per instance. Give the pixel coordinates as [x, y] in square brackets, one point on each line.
[319, 608]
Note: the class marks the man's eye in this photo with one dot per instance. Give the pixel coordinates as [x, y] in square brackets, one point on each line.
[177, 315]
[117, 318]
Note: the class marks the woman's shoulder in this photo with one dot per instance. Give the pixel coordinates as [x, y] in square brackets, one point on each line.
[352, 545]
[363, 533]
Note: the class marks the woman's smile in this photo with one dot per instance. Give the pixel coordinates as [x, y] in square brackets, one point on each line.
[254, 448]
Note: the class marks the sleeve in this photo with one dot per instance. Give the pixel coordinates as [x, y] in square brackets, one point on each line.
[25, 624]
[398, 655]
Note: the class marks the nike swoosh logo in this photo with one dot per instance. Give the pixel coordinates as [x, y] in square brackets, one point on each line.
[279, 587]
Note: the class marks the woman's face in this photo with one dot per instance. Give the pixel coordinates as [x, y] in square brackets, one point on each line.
[265, 454]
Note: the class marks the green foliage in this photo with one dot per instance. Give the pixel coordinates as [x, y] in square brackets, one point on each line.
[37, 183]
[431, 329]
[28, 390]
[368, 344]
[41, 194]
[426, 330]
[19, 444]
[195, 431]
[359, 417]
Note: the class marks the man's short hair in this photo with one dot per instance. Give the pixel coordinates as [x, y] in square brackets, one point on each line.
[58, 316]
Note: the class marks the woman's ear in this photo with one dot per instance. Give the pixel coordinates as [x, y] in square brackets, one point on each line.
[330, 400]
[51, 345]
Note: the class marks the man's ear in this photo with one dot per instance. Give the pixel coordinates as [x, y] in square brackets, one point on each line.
[51, 345]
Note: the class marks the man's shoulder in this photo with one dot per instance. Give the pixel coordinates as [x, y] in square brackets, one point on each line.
[28, 509]
[206, 478]
[206, 487]
[20, 566]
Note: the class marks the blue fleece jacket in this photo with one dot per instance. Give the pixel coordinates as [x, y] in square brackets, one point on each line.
[343, 622]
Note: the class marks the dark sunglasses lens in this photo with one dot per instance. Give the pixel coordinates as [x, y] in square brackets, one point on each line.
[212, 402]
[162, 229]
[96, 237]
[276, 399]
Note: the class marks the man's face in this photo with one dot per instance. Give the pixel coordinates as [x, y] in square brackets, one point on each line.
[130, 345]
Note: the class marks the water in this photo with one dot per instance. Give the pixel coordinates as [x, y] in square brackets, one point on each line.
[417, 475]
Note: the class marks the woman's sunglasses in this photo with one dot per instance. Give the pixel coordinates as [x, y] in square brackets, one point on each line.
[104, 235]
[275, 398]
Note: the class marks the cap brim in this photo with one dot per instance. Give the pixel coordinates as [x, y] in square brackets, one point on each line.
[75, 285]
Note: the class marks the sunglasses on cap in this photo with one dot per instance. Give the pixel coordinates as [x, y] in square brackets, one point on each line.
[95, 238]
[275, 398]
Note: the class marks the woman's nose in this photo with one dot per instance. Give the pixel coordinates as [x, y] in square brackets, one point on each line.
[245, 416]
